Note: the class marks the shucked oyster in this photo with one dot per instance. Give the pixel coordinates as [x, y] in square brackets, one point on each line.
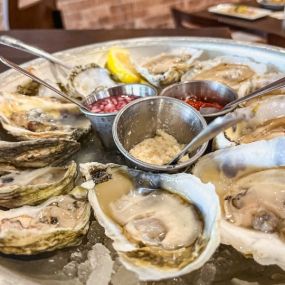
[59, 222]
[257, 201]
[34, 117]
[250, 180]
[36, 153]
[168, 231]
[267, 122]
[230, 70]
[167, 67]
[86, 79]
[31, 187]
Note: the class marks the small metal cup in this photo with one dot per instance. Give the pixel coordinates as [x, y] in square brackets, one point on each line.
[142, 118]
[204, 90]
[102, 123]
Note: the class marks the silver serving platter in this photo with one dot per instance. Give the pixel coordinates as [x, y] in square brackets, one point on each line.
[226, 267]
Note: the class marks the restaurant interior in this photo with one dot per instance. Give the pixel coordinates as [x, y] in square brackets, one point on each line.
[142, 142]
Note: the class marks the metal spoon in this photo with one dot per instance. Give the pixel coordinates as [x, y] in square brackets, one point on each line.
[17, 44]
[214, 128]
[277, 84]
[37, 79]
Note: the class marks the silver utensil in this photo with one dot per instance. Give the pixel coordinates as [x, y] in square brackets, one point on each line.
[217, 126]
[37, 79]
[277, 84]
[17, 44]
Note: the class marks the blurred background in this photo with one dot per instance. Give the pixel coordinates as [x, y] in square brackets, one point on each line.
[99, 14]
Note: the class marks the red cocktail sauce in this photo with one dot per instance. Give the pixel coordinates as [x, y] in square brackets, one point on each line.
[197, 104]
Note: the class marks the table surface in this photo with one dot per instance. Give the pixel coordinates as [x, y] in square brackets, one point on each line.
[267, 25]
[56, 40]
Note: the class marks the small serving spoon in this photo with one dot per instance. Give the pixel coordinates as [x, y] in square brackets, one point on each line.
[277, 84]
[37, 79]
[215, 127]
[68, 69]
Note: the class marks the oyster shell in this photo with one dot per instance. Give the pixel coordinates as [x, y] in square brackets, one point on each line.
[234, 71]
[167, 67]
[28, 118]
[36, 153]
[150, 239]
[249, 180]
[267, 122]
[59, 222]
[86, 79]
[31, 187]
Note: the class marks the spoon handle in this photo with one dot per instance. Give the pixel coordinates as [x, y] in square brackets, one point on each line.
[37, 79]
[218, 125]
[261, 91]
[17, 44]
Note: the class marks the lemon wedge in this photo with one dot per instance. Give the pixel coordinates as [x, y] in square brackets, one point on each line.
[120, 65]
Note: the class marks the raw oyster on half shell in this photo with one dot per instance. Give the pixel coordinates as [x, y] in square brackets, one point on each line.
[59, 222]
[167, 67]
[83, 80]
[267, 122]
[232, 71]
[36, 153]
[27, 118]
[250, 181]
[31, 187]
[161, 225]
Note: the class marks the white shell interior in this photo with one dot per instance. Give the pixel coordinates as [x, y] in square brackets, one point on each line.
[221, 168]
[190, 188]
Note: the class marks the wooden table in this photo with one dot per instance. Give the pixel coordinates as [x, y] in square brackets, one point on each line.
[267, 26]
[56, 40]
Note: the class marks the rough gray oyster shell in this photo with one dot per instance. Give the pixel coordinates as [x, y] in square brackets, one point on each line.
[31, 187]
[34, 117]
[57, 223]
[36, 153]
[168, 66]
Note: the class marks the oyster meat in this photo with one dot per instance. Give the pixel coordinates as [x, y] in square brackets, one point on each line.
[59, 222]
[27, 118]
[250, 181]
[36, 153]
[83, 80]
[137, 211]
[267, 122]
[256, 201]
[167, 67]
[233, 71]
[31, 187]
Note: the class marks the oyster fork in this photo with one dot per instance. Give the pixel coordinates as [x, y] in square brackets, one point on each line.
[17, 44]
